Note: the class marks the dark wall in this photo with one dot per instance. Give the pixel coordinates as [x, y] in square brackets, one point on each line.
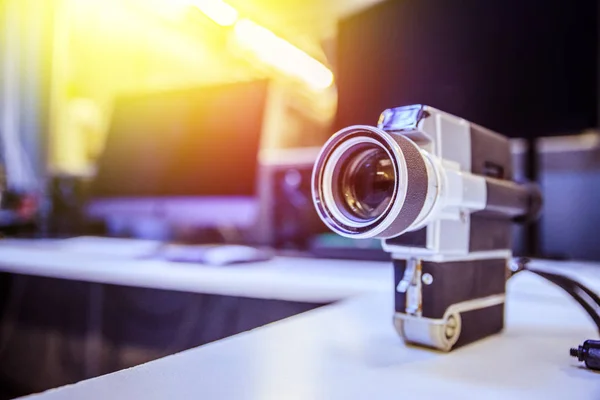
[522, 68]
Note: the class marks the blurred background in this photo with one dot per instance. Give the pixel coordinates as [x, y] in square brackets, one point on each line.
[103, 100]
[69, 65]
[198, 121]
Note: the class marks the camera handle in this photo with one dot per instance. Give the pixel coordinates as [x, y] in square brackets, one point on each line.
[582, 294]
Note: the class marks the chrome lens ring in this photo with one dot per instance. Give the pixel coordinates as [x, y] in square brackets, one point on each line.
[322, 182]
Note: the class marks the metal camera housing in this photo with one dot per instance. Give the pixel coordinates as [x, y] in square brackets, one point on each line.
[438, 191]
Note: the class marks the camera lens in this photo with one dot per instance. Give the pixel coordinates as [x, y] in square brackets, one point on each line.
[365, 178]
[368, 183]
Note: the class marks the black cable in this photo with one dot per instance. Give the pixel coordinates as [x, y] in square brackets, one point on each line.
[589, 300]
[589, 352]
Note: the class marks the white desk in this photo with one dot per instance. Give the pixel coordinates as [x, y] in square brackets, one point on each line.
[349, 350]
[291, 279]
[283, 278]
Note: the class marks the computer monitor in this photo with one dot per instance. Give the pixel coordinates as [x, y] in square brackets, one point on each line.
[522, 68]
[186, 156]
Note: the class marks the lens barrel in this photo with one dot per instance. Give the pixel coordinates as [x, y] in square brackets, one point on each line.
[368, 183]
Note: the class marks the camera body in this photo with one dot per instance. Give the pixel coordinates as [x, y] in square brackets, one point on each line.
[438, 191]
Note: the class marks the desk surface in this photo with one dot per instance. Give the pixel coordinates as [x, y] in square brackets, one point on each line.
[292, 279]
[349, 350]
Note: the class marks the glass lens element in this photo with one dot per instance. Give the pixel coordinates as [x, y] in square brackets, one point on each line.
[365, 182]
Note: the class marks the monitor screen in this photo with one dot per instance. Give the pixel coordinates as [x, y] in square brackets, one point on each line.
[201, 141]
[522, 68]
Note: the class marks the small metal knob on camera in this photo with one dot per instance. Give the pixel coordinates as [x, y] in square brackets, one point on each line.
[427, 279]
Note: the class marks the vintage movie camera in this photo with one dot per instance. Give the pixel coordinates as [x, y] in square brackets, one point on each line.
[438, 191]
